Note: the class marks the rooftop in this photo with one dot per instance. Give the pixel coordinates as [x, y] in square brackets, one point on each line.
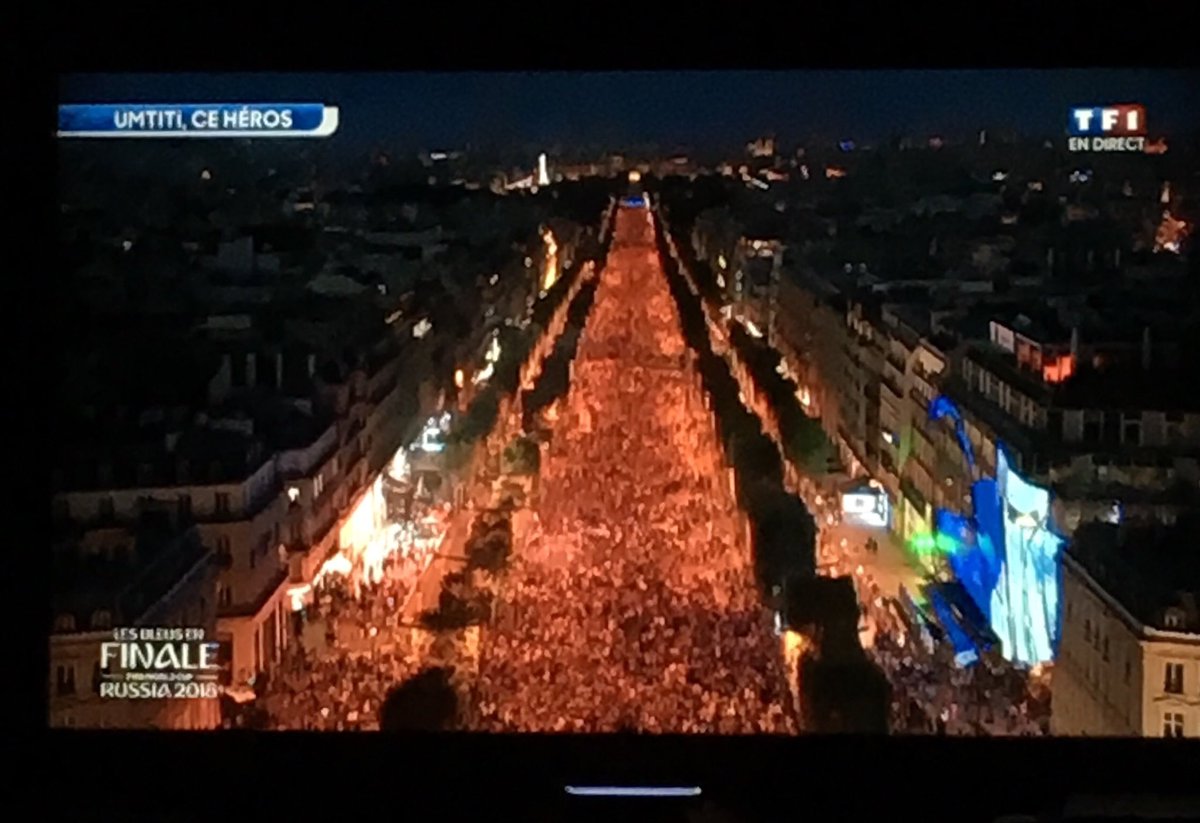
[155, 457]
[147, 561]
[1039, 323]
[1156, 389]
[282, 423]
[1004, 364]
[1150, 569]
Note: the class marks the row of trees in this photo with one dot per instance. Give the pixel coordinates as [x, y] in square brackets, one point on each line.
[804, 442]
[841, 690]
[515, 345]
[429, 701]
[554, 380]
[783, 531]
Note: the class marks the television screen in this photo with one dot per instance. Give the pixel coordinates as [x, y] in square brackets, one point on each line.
[716, 402]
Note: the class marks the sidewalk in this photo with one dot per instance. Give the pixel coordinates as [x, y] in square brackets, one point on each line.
[891, 567]
[425, 593]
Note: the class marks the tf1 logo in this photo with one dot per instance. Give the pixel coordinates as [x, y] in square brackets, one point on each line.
[1107, 128]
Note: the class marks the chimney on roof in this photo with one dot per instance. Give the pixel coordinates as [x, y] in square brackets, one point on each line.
[1074, 342]
[1146, 347]
[312, 365]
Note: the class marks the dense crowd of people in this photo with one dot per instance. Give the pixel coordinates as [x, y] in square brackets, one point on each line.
[932, 694]
[630, 602]
[352, 649]
[632, 605]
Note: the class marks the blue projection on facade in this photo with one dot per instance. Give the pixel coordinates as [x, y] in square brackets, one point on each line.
[1005, 554]
[1025, 604]
[943, 406]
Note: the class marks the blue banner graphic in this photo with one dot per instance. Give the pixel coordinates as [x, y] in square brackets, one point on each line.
[197, 120]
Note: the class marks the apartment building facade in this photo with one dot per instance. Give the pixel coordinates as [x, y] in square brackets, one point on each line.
[118, 577]
[1112, 444]
[1124, 669]
[271, 519]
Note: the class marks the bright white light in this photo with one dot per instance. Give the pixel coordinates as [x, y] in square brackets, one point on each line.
[867, 509]
[297, 594]
[543, 174]
[399, 467]
[999, 175]
[338, 564]
[492, 355]
[422, 328]
[494, 279]
[293, 494]
[483, 375]
[720, 281]
[431, 437]
[890, 438]
[721, 261]
[206, 175]
[458, 378]
[1114, 514]
[754, 330]
[127, 245]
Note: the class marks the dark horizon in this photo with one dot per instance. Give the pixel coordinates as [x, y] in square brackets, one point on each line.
[698, 110]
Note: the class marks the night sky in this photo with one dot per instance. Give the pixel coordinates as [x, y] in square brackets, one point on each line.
[676, 108]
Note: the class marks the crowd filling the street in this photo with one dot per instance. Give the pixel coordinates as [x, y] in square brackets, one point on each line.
[632, 604]
[629, 600]
[931, 693]
[350, 648]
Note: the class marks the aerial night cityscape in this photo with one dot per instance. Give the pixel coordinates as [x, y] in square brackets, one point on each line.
[728, 403]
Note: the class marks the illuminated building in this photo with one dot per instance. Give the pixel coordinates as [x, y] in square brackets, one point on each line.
[1095, 433]
[1129, 661]
[98, 579]
[867, 505]
[1170, 234]
[270, 515]
[551, 266]
[812, 336]
[1005, 553]
[762, 147]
